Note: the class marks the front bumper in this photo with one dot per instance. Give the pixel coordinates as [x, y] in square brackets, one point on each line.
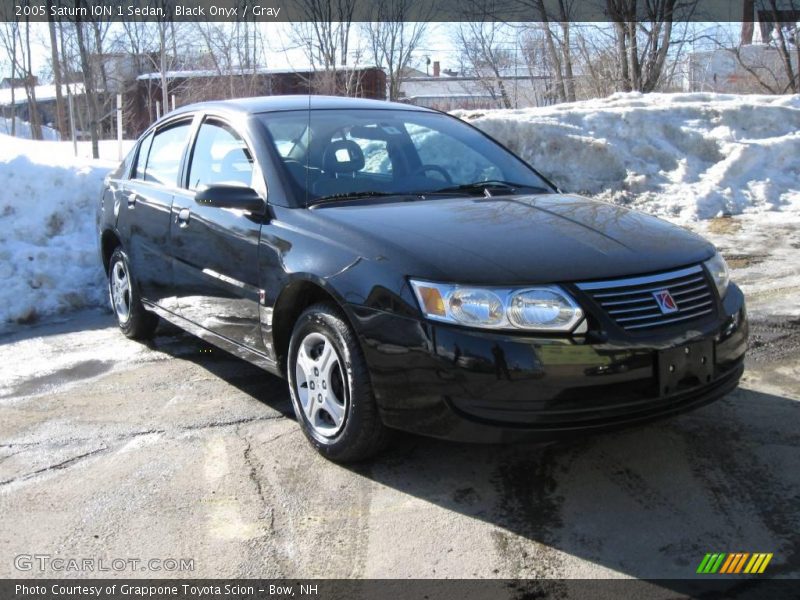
[467, 385]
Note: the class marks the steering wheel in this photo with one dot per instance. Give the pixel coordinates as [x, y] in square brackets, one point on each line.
[438, 169]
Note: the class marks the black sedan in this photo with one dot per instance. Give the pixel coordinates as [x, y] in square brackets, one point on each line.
[405, 271]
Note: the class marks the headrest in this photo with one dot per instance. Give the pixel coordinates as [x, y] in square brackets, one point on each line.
[236, 167]
[343, 156]
[234, 157]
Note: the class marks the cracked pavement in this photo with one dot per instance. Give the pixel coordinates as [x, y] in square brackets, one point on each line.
[110, 448]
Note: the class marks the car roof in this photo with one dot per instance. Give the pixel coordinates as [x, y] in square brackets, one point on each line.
[261, 104]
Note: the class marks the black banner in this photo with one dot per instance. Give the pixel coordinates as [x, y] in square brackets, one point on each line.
[370, 10]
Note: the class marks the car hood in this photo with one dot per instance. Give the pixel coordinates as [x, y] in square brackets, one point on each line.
[519, 239]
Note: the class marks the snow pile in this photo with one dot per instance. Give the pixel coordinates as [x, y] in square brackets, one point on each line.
[685, 156]
[49, 259]
[22, 129]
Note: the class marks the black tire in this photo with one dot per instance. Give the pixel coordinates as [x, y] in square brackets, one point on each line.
[362, 434]
[140, 323]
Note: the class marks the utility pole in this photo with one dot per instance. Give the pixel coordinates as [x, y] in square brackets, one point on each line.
[119, 126]
[72, 123]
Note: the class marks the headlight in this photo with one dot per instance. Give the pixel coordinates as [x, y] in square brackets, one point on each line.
[718, 269]
[541, 308]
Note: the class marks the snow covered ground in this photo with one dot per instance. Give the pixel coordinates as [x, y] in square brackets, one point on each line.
[22, 129]
[109, 149]
[48, 249]
[691, 158]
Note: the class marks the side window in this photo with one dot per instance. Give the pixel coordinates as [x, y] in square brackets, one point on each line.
[220, 155]
[164, 159]
[141, 157]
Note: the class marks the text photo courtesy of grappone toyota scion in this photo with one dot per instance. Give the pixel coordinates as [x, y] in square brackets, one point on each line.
[405, 271]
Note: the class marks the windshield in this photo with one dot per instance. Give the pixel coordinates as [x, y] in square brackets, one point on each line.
[331, 154]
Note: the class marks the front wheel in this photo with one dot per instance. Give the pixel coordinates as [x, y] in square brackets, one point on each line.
[133, 319]
[330, 387]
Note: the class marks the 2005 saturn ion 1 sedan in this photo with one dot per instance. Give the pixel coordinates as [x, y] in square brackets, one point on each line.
[405, 271]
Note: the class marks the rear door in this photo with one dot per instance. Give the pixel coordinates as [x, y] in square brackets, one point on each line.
[145, 209]
[215, 249]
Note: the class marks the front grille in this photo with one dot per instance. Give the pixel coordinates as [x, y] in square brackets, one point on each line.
[632, 304]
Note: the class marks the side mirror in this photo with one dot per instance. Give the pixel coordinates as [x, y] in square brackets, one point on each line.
[223, 195]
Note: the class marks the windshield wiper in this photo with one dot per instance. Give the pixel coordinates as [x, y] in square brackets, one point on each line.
[485, 186]
[350, 196]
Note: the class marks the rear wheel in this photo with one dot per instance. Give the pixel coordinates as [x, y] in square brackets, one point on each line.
[133, 319]
[330, 387]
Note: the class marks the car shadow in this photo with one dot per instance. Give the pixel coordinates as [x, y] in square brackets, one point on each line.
[647, 502]
[90, 319]
[264, 387]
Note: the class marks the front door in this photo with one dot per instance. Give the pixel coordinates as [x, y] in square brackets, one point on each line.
[145, 210]
[215, 250]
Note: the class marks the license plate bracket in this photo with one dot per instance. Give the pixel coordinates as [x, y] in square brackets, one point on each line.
[685, 367]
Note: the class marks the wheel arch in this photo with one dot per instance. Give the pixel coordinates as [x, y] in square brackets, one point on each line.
[296, 297]
[109, 241]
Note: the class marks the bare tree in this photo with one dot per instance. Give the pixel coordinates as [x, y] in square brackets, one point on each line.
[30, 84]
[29, 80]
[784, 36]
[89, 42]
[558, 42]
[772, 66]
[542, 64]
[250, 46]
[644, 35]
[483, 55]
[61, 123]
[157, 45]
[597, 55]
[16, 37]
[748, 11]
[324, 34]
[8, 36]
[71, 66]
[162, 47]
[234, 51]
[393, 39]
[80, 53]
[89, 86]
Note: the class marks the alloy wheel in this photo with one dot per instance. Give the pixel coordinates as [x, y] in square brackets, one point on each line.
[320, 387]
[120, 288]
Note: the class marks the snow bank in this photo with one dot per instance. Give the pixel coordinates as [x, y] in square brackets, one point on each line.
[48, 245]
[680, 155]
[22, 129]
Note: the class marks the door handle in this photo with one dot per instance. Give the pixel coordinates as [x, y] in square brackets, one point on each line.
[182, 218]
[132, 197]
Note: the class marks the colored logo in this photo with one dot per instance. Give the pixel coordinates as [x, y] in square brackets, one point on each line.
[665, 302]
[737, 562]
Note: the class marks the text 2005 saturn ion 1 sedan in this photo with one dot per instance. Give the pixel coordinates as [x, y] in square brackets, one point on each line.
[405, 271]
